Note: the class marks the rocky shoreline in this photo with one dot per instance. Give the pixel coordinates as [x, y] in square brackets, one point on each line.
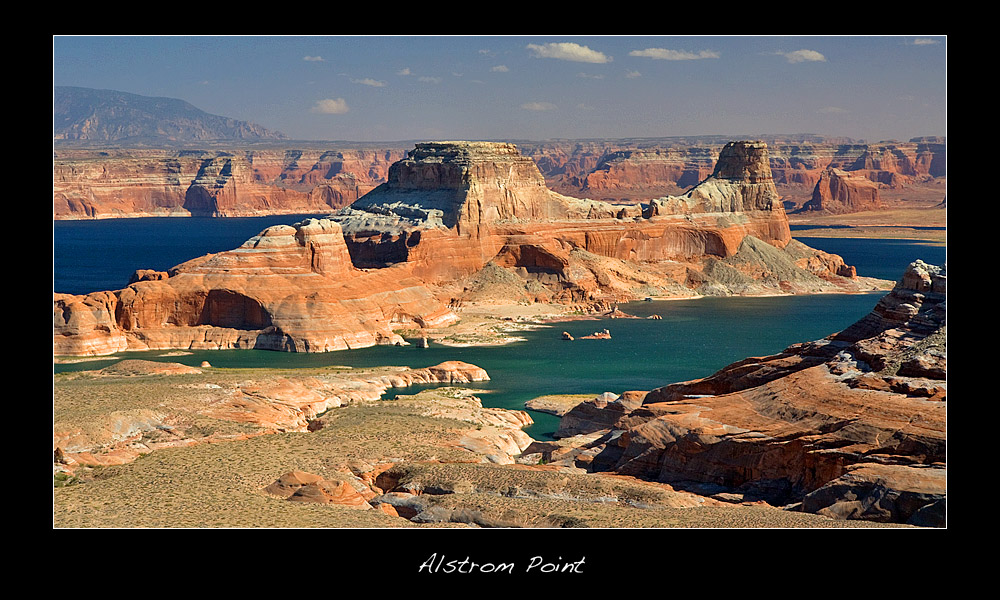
[843, 432]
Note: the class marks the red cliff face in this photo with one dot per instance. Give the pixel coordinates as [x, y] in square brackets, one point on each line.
[843, 192]
[138, 182]
[632, 171]
[289, 288]
[851, 427]
[124, 183]
[445, 214]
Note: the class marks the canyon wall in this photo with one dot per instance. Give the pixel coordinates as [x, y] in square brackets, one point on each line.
[311, 178]
[452, 218]
[217, 183]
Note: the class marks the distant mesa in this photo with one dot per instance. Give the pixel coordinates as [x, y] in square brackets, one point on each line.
[227, 173]
[840, 191]
[85, 114]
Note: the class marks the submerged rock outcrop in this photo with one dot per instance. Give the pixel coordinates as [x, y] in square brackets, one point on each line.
[852, 426]
[452, 220]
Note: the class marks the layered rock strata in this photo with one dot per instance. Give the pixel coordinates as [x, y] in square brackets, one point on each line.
[289, 288]
[231, 183]
[852, 426]
[279, 179]
[839, 191]
[451, 219]
[453, 209]
[631, 170]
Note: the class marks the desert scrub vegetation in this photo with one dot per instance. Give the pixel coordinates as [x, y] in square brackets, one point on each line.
[62, 479]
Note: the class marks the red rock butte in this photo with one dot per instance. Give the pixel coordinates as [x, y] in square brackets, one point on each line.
[399, 255]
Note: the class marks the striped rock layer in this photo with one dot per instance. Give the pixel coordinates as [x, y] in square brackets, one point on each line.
[396, 257]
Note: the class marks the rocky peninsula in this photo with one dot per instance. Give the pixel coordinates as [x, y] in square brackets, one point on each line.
[848, 431]
[852, 426]
[458, 224]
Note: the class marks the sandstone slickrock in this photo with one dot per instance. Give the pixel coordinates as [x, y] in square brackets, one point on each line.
[273, 404]
[836, 425]
[448, 214]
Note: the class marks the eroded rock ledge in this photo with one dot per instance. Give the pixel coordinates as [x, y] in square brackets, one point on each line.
[457, 222]
[850, 427]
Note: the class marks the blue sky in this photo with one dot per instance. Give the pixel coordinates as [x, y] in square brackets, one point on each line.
[392, 88]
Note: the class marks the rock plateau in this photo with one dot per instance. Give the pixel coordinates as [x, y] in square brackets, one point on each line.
[452, 221]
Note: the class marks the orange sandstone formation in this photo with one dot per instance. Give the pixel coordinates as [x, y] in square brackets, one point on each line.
[852, 426]
[233, 183]
[449, 214]
[278, 178]
[839, 191]
[289, 288]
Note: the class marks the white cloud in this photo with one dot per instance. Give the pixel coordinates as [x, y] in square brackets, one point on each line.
[313, 58]
[833, 110]
[803, 56]
[500, 69]
[429, 79]
[369, 81]
[632, 74]
[404, 71]
[589, 76]
[568, 51]
[330, 106]
[924, 42]
[538, 106]
[665, 54]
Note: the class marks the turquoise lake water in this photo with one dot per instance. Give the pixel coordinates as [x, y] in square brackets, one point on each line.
[693, 339]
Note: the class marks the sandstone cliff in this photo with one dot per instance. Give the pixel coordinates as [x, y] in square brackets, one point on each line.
[634, 170]
[289, 288]
[460, 213]
[254, 179]
[852, 426]
[839, 191]
[451, 219]
[103, 183]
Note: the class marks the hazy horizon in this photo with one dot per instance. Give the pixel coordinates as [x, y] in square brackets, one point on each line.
[403, 88]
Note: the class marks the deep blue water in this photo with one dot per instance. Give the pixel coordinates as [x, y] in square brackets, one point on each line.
[880, 258]
[95, 255]
[693, 339]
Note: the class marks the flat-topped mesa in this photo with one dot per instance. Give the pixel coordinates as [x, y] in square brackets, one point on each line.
[461, 186]
[451, 208]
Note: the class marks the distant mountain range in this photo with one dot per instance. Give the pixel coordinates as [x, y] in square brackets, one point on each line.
[85, 114]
